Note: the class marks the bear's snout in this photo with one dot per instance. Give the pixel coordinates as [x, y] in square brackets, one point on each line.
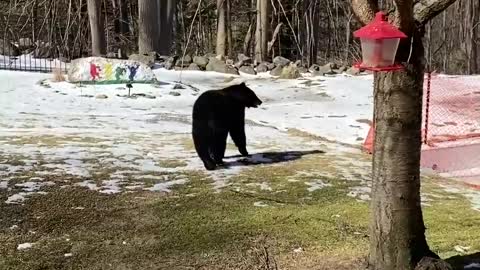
[257, 103]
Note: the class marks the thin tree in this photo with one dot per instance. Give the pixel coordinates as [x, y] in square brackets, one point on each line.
[221, 49]
[122, 16]
[166, 18]
[97, 28]
[262, 31]
[148, 32]
[397, 232]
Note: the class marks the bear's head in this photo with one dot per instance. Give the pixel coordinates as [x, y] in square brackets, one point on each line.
[245, 95]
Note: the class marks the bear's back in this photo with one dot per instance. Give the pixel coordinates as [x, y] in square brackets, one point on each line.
[215, 105]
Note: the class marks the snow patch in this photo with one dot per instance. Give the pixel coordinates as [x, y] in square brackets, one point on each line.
[24, 246]
[88, 184]
[316, 185]
[3, 184]
[260, 204]
[165, 187]
[17, 198]
[262, 186]
[361, 193]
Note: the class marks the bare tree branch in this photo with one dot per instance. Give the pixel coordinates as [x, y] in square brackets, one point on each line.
[403, 18]
[365, 10]
[425, 10]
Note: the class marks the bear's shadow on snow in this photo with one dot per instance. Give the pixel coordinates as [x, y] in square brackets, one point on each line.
[266, 158]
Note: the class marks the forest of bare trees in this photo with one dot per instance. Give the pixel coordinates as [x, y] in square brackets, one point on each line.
[313, 31]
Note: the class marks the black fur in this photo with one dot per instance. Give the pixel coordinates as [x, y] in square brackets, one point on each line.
[216, 113]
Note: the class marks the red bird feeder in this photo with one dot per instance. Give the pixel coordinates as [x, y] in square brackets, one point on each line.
[379, 40]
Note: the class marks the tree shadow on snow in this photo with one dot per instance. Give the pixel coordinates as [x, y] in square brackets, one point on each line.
[268, 158]
[467, 262]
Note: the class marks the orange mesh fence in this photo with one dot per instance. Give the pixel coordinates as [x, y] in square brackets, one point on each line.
[450, 128]
[452, 110]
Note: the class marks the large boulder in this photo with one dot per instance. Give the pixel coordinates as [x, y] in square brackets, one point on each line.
[270, 66]
[248, 70]
[277, 71]
[239, 64]
[262, 67]
[217, 65]
[146, 58]
[281, 61]
[328, 68]
[210, 55]
[170, 62]
[302, 69]
[314, 68]
[193, 66]
[201, 61]
[244, 59]
[353, 71]
[8, 49]
[184, 61]
[231, 70]
[110, 71]
[290, 72]
[342, 69]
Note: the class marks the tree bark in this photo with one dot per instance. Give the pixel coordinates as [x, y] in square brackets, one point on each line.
[221, 28]
[148, 34]
[229, 28]
[97, 29]
[397, 230]
[262, 31]
[166, 22]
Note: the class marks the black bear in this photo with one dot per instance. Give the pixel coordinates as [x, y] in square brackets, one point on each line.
[216, 113]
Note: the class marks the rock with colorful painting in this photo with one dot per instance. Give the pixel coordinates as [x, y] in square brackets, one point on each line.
[109, 71]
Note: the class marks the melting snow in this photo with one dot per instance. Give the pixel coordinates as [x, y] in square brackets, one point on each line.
[316, 185]
[165, 187]
[3, 184]
[260, 204]
[16, 198]
[24, 246]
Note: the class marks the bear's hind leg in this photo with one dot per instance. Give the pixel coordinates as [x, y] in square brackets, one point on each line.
[219, 145]
[202, 145]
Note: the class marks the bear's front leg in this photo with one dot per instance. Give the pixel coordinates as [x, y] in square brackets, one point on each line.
[238, 136]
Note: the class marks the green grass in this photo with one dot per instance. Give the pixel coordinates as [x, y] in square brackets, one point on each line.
[194, 226]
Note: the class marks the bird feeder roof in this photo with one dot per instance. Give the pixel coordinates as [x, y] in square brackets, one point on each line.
[379, 28]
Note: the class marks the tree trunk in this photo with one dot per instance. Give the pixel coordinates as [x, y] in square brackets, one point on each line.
[229, 28]
[123, 16]
[166, 21]
[397, 232]
[148, 33]
[310, 32]
[221, 28]
[97, 29]
[262, 31]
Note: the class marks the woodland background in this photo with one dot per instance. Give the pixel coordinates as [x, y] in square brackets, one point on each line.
[314, 31]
